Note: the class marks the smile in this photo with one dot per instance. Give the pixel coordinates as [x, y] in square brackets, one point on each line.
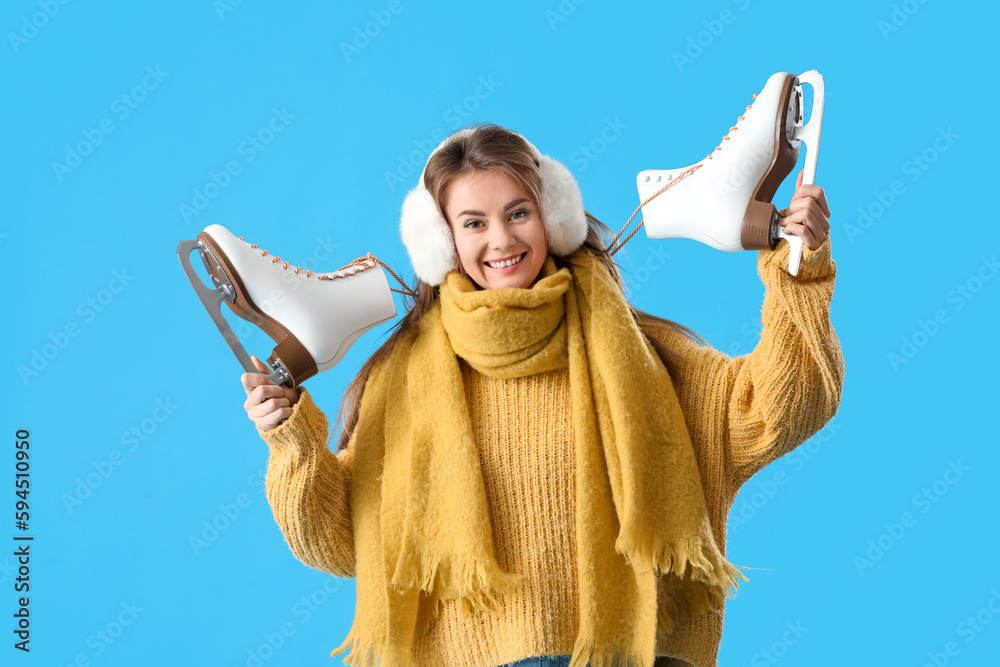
[506, 263]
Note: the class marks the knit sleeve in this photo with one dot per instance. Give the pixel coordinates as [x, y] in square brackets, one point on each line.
[790, 386]
[308, 488]
[745, 412]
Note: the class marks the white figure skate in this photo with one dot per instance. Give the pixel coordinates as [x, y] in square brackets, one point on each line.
[725, 200]
[313, 318]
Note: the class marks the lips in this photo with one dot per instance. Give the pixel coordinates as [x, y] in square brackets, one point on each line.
[502, 265]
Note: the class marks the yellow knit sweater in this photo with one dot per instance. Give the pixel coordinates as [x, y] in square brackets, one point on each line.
[742, 413]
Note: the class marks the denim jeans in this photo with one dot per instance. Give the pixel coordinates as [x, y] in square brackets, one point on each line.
[544, 661]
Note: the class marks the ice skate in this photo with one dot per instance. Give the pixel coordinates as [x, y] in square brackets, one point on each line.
[725, 199]
[313, 318]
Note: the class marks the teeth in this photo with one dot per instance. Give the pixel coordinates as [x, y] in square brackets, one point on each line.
[509, 262]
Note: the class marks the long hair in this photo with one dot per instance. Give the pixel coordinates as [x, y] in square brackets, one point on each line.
[493, 148]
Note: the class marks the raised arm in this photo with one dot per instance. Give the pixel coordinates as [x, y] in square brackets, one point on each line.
[790, 386]
[744, 412]
[308, 488]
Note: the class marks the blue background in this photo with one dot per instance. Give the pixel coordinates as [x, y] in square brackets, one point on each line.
[328, 188]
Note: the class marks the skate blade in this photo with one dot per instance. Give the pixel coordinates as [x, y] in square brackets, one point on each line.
[212, 299]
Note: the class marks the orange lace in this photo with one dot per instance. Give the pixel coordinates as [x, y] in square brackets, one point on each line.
[733, 128]
[612, 249]
[356, 266]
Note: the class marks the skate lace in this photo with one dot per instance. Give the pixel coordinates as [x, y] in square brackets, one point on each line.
[356, 266]
[612, 248]
[734, 128]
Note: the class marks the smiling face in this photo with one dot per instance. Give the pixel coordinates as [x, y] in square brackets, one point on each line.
[499, 234]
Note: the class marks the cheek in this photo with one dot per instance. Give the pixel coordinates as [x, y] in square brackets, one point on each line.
[466, 255]
[541, 242]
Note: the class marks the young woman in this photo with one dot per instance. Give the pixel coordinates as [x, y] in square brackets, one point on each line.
[530, 466]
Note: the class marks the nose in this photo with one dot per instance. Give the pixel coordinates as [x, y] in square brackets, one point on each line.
[500, 237]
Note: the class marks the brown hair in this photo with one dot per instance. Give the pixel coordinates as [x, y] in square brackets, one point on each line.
[493, 148]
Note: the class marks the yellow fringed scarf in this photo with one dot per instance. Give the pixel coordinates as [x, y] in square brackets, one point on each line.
[417, 487]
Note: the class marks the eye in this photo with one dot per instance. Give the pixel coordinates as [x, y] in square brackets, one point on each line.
[520, 213]
[472, 224]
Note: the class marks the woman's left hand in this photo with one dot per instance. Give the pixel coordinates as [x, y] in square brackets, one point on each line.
[808, 215]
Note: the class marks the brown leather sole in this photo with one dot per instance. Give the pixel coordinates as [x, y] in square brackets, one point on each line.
[761, 214]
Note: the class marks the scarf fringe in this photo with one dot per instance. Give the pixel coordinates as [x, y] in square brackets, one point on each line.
[472, 583]
[707, 564]
[370, 652]
[586, 654]
[689, 591]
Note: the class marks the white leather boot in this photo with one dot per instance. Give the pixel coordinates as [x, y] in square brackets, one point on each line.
[314, 318]
[725, 199]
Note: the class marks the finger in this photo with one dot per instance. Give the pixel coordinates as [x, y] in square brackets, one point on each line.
[291, 393]
[260, 365]
[804, 217]
[814, 192]
[262, 410]
[253, 380]
[802, 231]
[274, 419]
[262, 393]
[813, 208]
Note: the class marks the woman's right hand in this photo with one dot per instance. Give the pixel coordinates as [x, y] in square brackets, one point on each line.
[267, 405]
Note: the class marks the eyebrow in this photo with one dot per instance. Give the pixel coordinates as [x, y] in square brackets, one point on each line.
[513, 203]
